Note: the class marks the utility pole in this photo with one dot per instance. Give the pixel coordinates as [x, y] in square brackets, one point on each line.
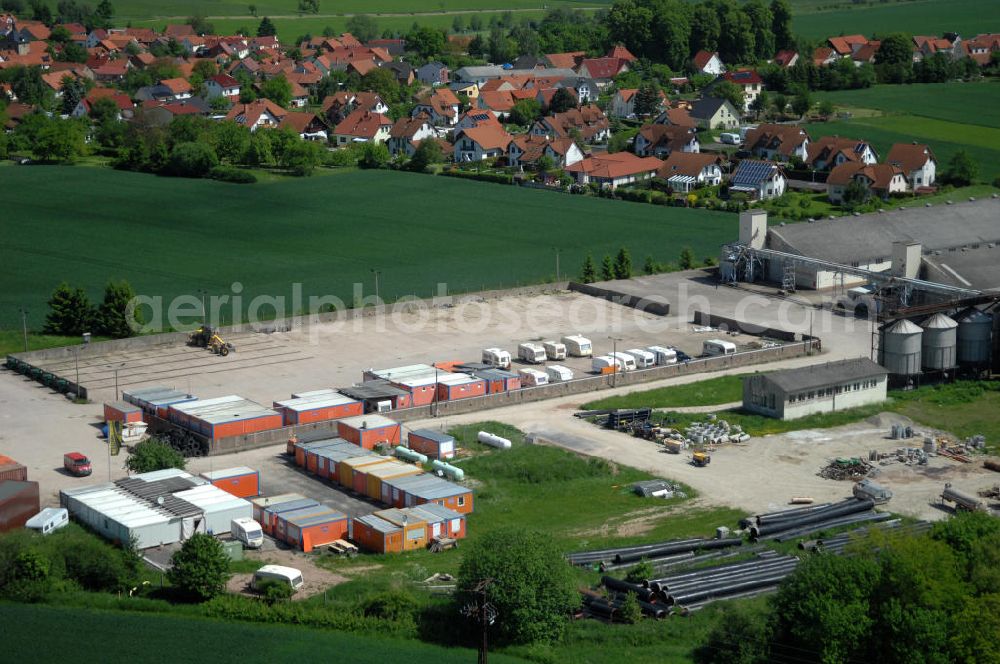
[24, 327]
[116, 370]
[376, 273]
[557, 264]
[483, 612]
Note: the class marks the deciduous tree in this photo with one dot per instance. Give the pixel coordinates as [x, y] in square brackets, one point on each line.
[153, 454]
[201, 568]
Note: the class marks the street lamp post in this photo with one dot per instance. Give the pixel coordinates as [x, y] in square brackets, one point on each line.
[116, 370]
[376, 273]
[614, 358]
[24, 327]
[557, 264]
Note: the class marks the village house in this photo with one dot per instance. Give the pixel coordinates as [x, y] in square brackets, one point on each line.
[714, 113]
[256, 114]
[480, 143]
[125, 106]
[786, 59]
[881, 180]
[526, 150]
[610, 171]
[760, 180]
[779, 142]
[686, 171]
[830, 151]
[406, 134]
[433, 73]
[845, 46]
[708, 63]
[588, 121]
[658, 140]
[746, 80]
[223, 85]
[623, 103]
[362, 126]
[917, 163]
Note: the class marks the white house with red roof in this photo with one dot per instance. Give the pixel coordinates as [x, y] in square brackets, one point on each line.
[707, 62]
[748, 81]
[257, 114]
[610, 171]
[916, 161]
[363, 126]
[223, 85]
[406, 134]
[487, 141]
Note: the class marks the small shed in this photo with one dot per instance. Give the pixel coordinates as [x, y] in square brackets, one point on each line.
[434, 444]
[122, 411]
[414, 529]
[369, 430]
[240, 481]
[375, 534]
[308, 531]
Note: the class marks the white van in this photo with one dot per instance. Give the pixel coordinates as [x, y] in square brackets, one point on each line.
[718, 347]
[554, 350]
[643, 358]
[730, 138]
[278, 573]
[601, 362]
[248, 531]
[578, 346]
[496, 357]
[664, 356]
[626, 361]
[49, 519]
[558, 373]
[532, 353]
[533, 377]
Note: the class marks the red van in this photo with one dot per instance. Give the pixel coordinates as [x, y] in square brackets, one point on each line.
[77, 464]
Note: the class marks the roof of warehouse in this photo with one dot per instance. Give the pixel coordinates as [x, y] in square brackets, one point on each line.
[373, 389]
[850, 239]
[311, 403]
[371, 421]
[968, 268]
[225, 409]
[227, 472]
[376, 523]
[436, 436]
[427, 486]
[162, 493]
[825, 375]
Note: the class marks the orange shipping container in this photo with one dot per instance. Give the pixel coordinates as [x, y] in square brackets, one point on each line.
[122, 411]
[377, 535]
[241, 481]
[377, 474]
[347, 468]
[414, 529]
[307, 532]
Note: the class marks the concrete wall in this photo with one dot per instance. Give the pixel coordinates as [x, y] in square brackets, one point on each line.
[660, 308]
[725, 323]
[525, 395]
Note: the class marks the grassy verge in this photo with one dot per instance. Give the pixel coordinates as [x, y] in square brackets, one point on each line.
[964, 408]
[12, 341]
[711, 392]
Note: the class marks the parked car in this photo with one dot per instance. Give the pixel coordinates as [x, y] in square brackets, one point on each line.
[77, 464]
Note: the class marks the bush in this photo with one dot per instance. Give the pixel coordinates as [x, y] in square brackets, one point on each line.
[275, 591]
[343, 158]
[153, 454]
[498, 178]
[192, 160]
[630, 612]
[394, 605]
[234, 175]
[201, 568]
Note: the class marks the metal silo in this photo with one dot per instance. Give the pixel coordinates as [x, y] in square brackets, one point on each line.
[940, 343]
[899, 349]
[975, 336]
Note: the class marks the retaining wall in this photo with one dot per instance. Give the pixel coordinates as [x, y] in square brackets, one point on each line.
[658, 307]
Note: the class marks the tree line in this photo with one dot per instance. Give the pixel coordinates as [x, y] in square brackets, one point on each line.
[620, 267]
[71, 312]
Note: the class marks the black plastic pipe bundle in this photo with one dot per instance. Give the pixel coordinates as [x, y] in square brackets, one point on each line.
[658, 584]
[721, 580]
[619, 586]
[682, 547]
[828, 514]
[590, 557]
[760, 519]
[739, 585]
[836, 523]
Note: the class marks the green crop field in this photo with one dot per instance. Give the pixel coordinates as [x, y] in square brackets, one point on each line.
[103, 636]
[965, 103]
[967, 17]
[172, 236]
[947, 116]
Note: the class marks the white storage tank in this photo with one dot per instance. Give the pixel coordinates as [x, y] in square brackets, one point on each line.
[940, 343]
[900, 348]
[487, 438]
[975, 336]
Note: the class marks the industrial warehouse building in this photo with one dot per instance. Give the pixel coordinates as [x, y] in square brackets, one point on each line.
[820, 388]
[956, 245]
[157, 508]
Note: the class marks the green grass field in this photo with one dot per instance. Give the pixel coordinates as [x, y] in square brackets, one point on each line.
[172, 236]
[103, 636]
[948, 116]
[967, 17]
[711, 392]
